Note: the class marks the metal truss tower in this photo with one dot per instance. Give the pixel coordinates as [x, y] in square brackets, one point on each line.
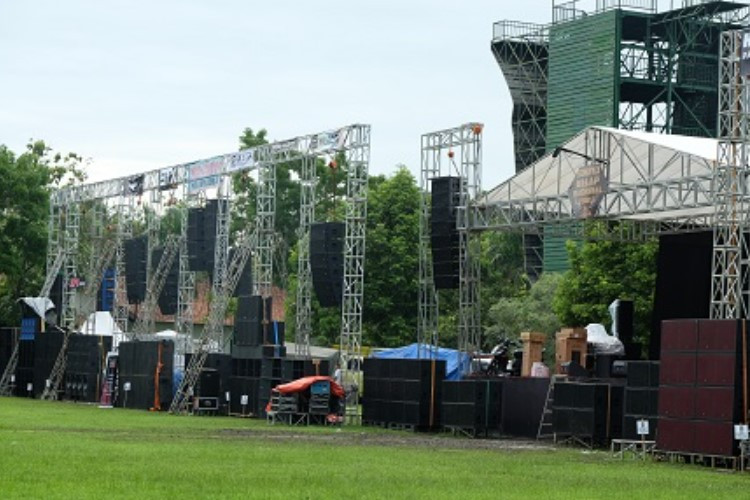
[427, 327]
[125, 214]
[730, 289]
[357, 147]
[462, 149]
[303, 325]
[70, 268]
[186, 283]
[265, 223]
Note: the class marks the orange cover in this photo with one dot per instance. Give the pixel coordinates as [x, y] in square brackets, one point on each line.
[303, 383]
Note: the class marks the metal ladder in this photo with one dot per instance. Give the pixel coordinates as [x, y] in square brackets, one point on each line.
[546, 428]
[144, 322]
[88, 301]
[214, 327]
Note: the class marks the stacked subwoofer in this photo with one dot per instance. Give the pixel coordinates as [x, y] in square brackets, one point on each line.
[700, 386]
[47, 347]
[404, 392]
[87, 355]
[137, 363]
[641, 398]
[327, 261]
[588, 411]
[473, 406]
[444, 236]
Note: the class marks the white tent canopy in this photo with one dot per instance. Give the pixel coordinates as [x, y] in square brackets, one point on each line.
[639, 176]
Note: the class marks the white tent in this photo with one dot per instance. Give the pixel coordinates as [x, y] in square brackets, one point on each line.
[644, 176]
[100, 323]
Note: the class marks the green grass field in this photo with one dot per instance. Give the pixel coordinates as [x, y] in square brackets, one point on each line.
[62, 450]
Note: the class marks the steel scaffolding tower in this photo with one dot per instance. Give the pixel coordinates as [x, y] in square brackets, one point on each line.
[521, 50]
[462, 148]
[308, 178]
[357, 148]
[730, 288]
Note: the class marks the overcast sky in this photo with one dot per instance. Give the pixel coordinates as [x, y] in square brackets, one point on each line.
[136, 85]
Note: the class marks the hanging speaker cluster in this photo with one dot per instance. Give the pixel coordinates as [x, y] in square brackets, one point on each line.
[327, 261]
[443, 232]
[168, 296]
[201, 235]
[135, 268]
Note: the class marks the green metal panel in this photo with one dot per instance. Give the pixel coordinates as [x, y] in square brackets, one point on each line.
[582, 76]
[555, 254]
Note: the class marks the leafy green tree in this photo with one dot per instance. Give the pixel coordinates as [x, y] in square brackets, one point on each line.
[25, 183]
[392, 261]
[529, 311]
[602, 271]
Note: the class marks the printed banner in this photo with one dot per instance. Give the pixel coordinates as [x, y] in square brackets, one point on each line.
[240, 160]
[167, 178]
[590, 184]
[135, 185]
[204, 174]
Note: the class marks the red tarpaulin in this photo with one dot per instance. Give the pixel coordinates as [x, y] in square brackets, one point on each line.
[304, 383]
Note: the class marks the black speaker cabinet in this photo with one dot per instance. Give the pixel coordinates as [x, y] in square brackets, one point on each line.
[327, 261]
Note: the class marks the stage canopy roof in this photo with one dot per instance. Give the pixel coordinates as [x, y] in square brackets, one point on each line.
[605, 173]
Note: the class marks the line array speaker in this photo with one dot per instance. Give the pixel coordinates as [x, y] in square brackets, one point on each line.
[327, 261]
[135, 268]
[444, 236]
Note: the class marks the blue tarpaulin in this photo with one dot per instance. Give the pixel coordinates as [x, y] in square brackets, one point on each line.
[456, 362]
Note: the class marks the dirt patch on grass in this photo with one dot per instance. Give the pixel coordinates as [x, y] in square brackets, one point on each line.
[388, 439]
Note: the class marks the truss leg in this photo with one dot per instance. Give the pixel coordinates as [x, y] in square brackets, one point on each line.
[729, 275]
[427, 328]
[304, 277]
[358, 158]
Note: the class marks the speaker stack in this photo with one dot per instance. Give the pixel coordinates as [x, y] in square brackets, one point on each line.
[473, 406]
[167, 299]
[444, 237]
[523, 404]
[258, 353]
[47, 347]
[84, 371]
[202, 225]
[641, 398]
[700, 386]
[405, 392]
[135, 268]
[591, 412]
[327, 261]
[138, 368]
